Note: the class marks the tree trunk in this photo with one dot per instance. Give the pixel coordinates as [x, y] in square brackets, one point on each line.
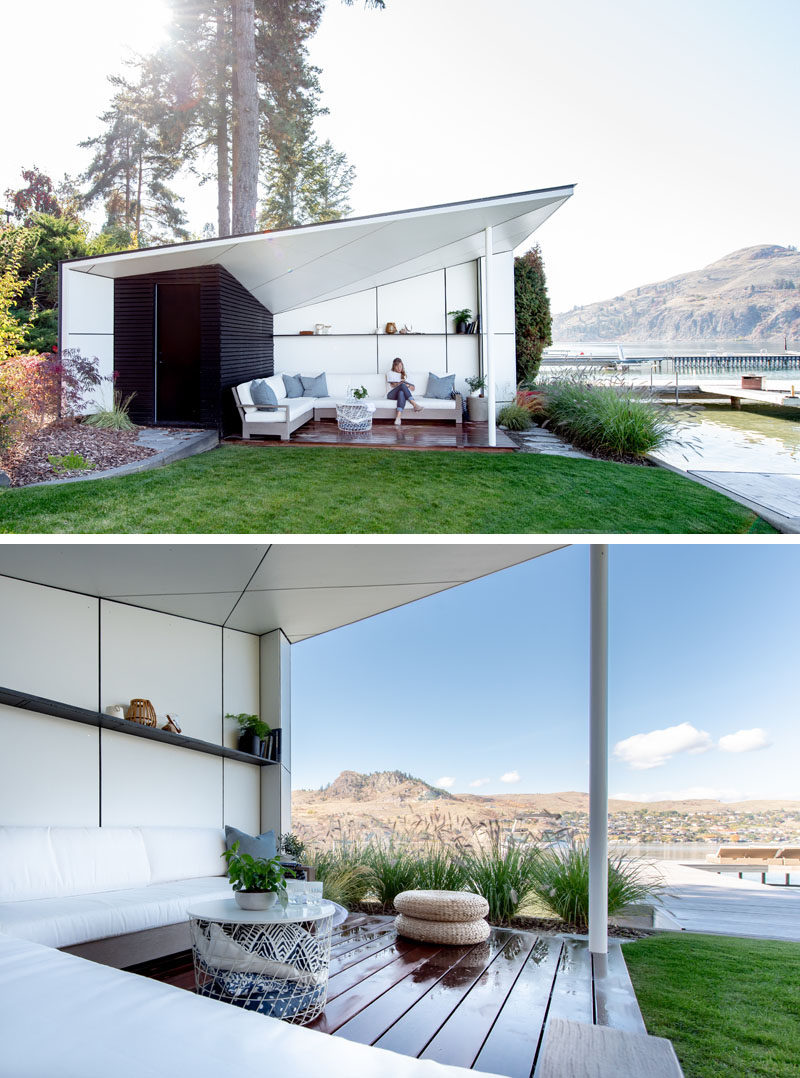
[223, 165]
[245, 117]
[139, 195]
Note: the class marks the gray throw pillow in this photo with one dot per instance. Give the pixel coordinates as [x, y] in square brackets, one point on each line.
[294, 387]
[315, 387]
[262, 847]
[441, 389]
[262, 394]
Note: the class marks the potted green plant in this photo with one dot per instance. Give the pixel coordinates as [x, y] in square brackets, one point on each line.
[360, 392]
[252, 731]
[477, 404]
[256, 882]
[461, 318]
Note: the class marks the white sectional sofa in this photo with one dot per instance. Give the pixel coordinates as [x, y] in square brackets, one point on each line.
[293, 412]
[76, 888]
[118, 894]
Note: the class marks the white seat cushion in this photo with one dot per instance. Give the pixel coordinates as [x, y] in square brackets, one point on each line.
[66, 921]
[182, 853]
[65, 1016]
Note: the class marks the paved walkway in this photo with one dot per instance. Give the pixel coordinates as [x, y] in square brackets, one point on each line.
[540, 440]
[724, 905]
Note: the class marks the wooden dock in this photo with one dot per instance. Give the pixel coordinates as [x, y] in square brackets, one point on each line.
[737, 394]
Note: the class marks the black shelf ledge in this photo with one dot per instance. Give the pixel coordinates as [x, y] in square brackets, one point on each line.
[43, 706]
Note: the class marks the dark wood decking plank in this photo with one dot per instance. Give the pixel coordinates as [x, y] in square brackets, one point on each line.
[374, 1020]
[572, 996]
[412, 1032]
[357, 954]
[366, 965]
[615, 1001]
[511, 1046]
[461, 1038]
[343, 947]
[360, 995]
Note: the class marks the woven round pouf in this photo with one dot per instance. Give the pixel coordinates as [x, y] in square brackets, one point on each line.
[442, 906]
[455, 933]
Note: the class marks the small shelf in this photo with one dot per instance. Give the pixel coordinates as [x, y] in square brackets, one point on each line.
[43, 706]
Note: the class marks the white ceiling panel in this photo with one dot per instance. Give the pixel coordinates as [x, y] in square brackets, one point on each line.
[303, 589]
[294, 267]
[134, 569]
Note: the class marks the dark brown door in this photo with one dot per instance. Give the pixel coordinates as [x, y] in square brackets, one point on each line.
[178, 353]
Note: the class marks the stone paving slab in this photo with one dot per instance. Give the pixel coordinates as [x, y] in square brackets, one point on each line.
[540, 440]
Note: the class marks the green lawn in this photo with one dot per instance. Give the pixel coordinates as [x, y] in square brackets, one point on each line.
[729, 1006]
[300, 489]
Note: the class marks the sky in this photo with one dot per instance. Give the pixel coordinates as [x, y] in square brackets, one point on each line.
[484, 688]
[676, 121]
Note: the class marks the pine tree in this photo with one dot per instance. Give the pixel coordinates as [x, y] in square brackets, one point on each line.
[532, 313]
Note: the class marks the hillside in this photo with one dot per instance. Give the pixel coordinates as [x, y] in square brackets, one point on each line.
[358, 806]
[752, 295]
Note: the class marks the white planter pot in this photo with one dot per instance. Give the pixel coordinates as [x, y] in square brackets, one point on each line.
[478, 409]
[255, 900]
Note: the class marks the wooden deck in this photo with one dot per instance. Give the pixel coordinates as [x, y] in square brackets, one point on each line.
[484, 1007]
[426, 434]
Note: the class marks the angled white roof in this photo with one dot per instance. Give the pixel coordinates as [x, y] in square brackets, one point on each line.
[302, 589]
[294, 267]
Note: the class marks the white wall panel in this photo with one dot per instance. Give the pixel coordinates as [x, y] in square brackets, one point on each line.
[276, 798]
[243, 795]
[503, 292]
[89, 303]
[421, 353]
[350, 314]
[48, 771]
[173, 662]
[463, 358]
[461, 284]
[311, 355]
[276, 709]
[146, 783]
[417, 302]
[48, 642]
[505, 367]
[240, 680]
[101, 348]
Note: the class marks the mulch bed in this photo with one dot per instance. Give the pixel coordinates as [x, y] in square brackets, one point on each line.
[26, 462]
[530, 924]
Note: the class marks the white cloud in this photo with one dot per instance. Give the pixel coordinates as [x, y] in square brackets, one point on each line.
[446, 781]
[745, 740]
[643, 751]
[479, 782]
[510, 776]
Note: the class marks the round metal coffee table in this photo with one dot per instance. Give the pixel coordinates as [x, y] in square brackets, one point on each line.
[354, 416]
[273, 961]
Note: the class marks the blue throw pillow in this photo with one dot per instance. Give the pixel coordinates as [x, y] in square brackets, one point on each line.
[441, 389]
[262, 394]
[294, 387]
[262, 847]
[314, 387]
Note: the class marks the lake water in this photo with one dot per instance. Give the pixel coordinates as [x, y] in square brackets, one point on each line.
[717, 437]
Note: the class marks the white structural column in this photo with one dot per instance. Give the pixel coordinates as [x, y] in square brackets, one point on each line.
[487, 329]
[598, 757]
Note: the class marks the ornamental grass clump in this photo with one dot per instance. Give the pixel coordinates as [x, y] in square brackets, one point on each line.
[395, 868]
[611, 421]
[345, 876]
[502, 873]
[114, 418]
[514, 417]
[560, 880]
[439, 870]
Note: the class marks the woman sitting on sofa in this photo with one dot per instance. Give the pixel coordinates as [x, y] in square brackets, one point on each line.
[400, 389]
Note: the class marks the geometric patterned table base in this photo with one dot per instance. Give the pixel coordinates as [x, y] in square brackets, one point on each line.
[280, 970]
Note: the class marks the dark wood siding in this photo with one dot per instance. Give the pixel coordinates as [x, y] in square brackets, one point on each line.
[246, 343]
[236, 340]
